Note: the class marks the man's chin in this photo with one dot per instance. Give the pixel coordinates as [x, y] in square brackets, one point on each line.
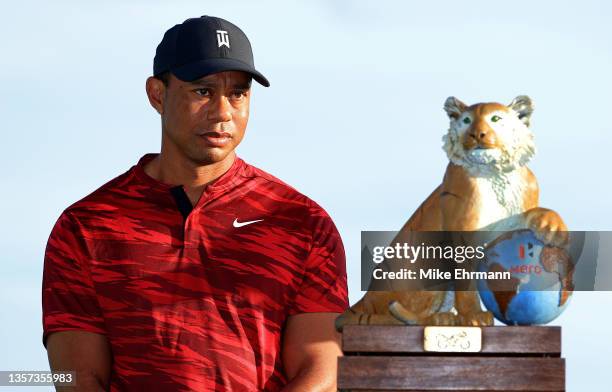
[211, 156]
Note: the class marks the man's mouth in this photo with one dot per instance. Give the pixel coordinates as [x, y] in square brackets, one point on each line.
[216, 139]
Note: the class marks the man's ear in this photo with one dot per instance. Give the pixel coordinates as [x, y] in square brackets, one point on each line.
[454, 107]
[156, 91]
[523, 105]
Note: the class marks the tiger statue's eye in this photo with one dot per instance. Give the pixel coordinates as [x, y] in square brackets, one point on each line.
[467, 120]
[495, 118]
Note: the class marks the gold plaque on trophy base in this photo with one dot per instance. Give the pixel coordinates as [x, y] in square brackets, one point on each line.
[452, 339]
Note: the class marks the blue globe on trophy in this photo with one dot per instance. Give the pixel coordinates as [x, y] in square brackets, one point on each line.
[540, 285]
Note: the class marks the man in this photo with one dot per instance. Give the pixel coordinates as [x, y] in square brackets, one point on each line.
[195, 270]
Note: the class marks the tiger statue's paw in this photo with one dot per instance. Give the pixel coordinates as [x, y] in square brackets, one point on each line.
[475, 319]
[547, 226]
[442, 319]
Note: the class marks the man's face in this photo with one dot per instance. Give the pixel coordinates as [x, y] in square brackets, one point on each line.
[205, 120]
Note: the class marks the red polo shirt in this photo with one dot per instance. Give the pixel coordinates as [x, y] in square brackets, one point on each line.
[192, 298]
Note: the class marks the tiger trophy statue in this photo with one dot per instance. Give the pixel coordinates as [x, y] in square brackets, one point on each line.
[486, 187]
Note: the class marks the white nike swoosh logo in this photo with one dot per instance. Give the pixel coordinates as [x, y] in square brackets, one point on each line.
[240, 224]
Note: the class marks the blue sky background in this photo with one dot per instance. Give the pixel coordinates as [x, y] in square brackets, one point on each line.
[353, 119]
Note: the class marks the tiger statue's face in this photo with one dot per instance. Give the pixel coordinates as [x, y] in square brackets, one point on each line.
[489, 138]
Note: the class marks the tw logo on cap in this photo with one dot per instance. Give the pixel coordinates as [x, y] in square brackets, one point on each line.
[222, 38]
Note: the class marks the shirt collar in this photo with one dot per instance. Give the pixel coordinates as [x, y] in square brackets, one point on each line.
[229, 179]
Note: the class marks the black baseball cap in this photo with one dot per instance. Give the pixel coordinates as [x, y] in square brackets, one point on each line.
[202, 46]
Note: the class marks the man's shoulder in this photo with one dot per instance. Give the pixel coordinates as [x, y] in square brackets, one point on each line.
[107, 196]
[279, 187]
[307, 214]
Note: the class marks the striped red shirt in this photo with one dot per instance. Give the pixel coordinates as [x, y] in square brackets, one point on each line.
[192, 299]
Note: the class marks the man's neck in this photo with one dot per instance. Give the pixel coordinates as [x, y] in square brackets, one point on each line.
[181, 171]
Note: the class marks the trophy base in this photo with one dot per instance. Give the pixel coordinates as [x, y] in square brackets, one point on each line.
[403, 358]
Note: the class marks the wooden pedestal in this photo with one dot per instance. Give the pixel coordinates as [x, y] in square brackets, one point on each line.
[392, 358]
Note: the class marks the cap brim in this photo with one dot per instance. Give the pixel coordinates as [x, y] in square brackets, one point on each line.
[197, 69]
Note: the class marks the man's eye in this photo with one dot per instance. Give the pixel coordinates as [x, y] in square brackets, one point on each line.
[495, 118]
[467, 120]
[203, 92]
[237, 95]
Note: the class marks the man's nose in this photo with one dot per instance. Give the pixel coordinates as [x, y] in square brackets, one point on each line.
[220, 109]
